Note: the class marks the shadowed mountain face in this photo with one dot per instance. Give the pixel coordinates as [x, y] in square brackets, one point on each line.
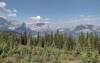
[40, 24]
[83, 27]
[4, 24]
[23, 28]
[80, 27]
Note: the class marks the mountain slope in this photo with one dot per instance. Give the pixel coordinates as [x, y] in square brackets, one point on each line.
[4, 24]
[84, 28]
[16, 26]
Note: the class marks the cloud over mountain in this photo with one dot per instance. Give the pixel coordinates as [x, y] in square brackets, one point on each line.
[37, 23]
[82, 19]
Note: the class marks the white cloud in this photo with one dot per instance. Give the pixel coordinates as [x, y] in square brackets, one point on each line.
[2, 4]
[2, 7]
[35, 18]
[12, 13]
[7, 12]
[38, 17]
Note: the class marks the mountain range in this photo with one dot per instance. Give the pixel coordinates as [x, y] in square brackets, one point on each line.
[6, 25]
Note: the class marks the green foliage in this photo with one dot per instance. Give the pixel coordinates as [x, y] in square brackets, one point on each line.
[90, 56]
[49, 48]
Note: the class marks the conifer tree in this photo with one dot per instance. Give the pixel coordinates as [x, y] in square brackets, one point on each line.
[81, 40]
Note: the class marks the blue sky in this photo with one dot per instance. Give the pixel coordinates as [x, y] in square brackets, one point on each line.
[56, 10]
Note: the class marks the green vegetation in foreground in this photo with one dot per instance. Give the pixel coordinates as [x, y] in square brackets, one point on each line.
[50, 48]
